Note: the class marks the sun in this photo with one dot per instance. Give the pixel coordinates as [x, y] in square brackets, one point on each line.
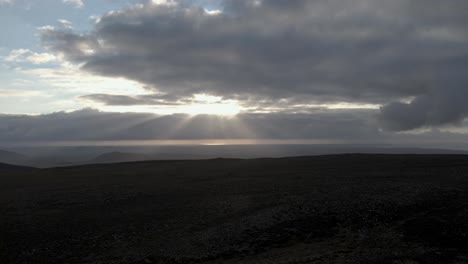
[212, 105]
[223, 109]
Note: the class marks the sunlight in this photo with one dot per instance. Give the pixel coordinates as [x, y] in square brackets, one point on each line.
[224, 109]
[200, 104]
[212, 105]
[220, 109]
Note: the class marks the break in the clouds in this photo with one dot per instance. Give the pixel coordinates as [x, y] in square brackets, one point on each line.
[359, 51]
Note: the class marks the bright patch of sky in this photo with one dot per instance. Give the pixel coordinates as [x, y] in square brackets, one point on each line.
[34, 81]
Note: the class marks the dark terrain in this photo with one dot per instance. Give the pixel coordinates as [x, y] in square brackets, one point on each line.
[325, 209]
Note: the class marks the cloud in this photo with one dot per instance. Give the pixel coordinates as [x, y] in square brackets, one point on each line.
[65, 23]
[22, 55]
[18, 93]
[16, 55]
[356, 51]
[75, 3]
[330, 126]
[39, 58]
[3, 2]
[69, 78]
[126, 100]
[438, 107]
[90, 124]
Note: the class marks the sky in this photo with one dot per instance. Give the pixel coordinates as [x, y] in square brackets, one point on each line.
[367, 71]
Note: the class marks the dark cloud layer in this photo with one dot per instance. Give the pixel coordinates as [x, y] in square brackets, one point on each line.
[371, 51]
[90, 124]
[126, 100]
[438, 107]
[336, 126]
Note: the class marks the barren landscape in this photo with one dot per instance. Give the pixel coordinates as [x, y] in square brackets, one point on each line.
[233, 131]
[325, 209]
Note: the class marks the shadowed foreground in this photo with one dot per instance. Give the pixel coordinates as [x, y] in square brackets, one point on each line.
[328, 209]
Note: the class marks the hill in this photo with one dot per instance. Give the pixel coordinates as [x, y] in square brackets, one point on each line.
[203, 152]
[47, 157]
[116, 157]
[325, 209]
[11, 157]
[10, 168]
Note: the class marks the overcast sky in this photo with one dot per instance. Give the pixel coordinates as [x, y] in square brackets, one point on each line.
[332, 70]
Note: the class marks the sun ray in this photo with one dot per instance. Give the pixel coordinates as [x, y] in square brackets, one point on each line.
[180, 125]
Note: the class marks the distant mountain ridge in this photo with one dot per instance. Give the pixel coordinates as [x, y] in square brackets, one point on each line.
[62, 157]
[116, 156]
[12, 168]
[12, 157]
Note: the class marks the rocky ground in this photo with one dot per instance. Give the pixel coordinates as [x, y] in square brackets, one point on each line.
[326, 209]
